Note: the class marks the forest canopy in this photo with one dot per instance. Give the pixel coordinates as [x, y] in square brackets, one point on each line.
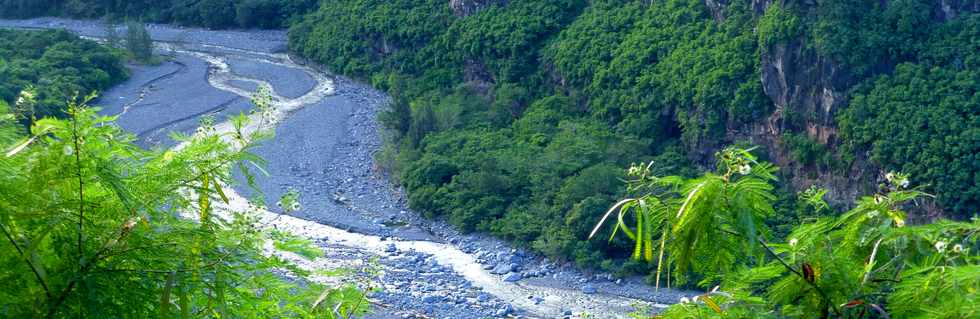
[206, 13]
[55, 66]
[515, 119]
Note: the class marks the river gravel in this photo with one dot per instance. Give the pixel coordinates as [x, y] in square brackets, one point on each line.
[324, 149]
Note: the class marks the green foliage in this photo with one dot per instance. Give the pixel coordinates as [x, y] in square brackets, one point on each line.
[867, 35]
[53, 66]
[358, 37]
[677, 67]
[806, 151]
[96, 227]
[495, 114]
[864, 262]
[207, 13]
[288, 242]
[138, 42]
[907, 126]
[504, 152]
[777, 25]
[695, 220]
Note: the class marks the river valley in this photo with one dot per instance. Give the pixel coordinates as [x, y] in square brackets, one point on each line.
[326, 135]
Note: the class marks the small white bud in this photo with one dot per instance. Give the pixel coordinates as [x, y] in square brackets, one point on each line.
[744, 169]
[793, 242]
[940, 246]
[957, 248]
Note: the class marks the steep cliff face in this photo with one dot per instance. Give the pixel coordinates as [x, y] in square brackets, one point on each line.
[808, 90]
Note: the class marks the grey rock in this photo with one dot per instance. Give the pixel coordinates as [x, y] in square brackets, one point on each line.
[501, 269]
[513, 277]
[503, 311]
[588, 289]
[483, 297]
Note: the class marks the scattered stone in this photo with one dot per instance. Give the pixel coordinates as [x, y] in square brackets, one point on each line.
[513, 277]
[504, 311]
[482, 297]
[588, 289]
[501, 269]
[431, 299]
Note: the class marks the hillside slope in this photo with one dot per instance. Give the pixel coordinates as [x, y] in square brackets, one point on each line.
[515, 117]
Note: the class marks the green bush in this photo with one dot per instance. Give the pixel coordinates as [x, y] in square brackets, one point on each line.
[526, 98]
[93, 226]
[778, 25]
[54, 66]
[866, 261]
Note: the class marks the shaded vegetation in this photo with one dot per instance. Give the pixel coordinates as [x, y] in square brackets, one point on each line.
[94, 226]
[924, 117]
[206, 13]
[513, 120]
[53, 67]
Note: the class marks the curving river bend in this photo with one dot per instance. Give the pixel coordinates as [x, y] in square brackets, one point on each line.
[326, 135]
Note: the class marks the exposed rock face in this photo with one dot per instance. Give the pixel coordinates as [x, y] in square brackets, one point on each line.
[799, 81]
[462, 8]
[717, 8]
[945, 10]
[478, 78]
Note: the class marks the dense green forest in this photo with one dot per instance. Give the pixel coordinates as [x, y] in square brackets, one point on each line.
[53, 67]
[526, 120]
[517, 119]
[205, 13]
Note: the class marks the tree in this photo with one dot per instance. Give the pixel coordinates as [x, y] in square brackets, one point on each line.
[111, 32]
[93, 226]
[138, 41]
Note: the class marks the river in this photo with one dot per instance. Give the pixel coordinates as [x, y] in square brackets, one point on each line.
[326, 134]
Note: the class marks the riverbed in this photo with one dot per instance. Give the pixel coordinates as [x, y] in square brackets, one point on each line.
[326, 135]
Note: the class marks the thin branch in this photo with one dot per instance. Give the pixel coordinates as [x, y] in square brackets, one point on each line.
[871, 260]
[27, 259]
[820, 291]
[81, 184]
[85, 264]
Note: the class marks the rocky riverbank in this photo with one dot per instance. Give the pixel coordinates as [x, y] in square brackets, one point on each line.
[324, 149]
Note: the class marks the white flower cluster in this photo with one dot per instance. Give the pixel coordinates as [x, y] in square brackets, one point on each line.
[205, 130]
[897, 179]
[942, 245]
[26, 96]
[291, 206]
[744, 169]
